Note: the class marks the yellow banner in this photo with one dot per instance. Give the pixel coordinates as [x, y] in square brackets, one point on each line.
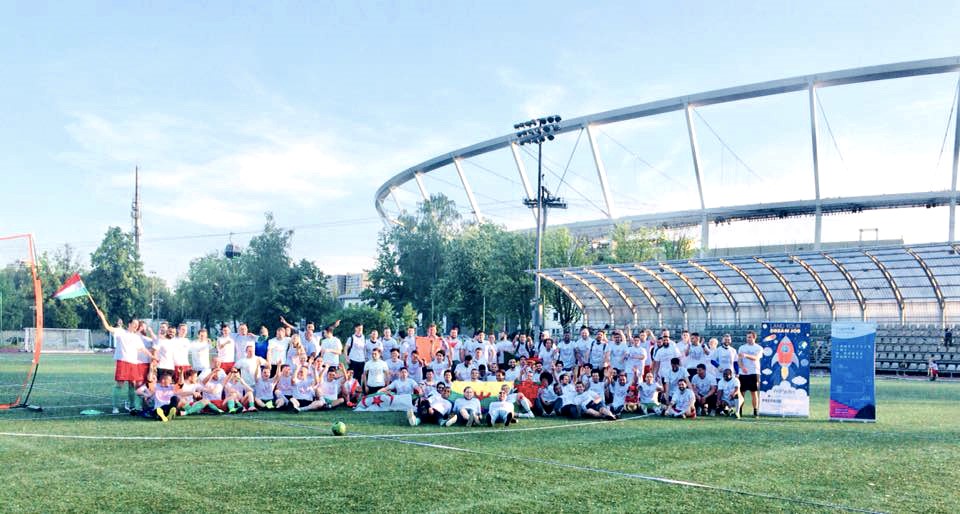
[483, 390]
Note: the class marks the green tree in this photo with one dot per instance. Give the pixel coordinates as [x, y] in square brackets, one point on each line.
[628, 245]
[206, 292]
[679, 246]
[408, 316]
[370, 317]
[265, 267]
[116, 280]
[386, 283]
[562, 249]
[307, 295]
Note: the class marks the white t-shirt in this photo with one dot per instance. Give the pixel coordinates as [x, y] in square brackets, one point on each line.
[263, 390]
[635, 357]
[582, 346]
[329, 389]
[377, 376]
[164, 353]
[438, 368]
[598, 352]
[726, 387]
[394, 367]
[439, 403]
[390, 343]
[648, 392]
[200, 354]
[304, 389]
[277, 350]
[504, 346]
[586, 397]
[358, 345]
[241, 342]
[597, 387]
[682, 348]
[703, 385]
[619, 393]
[225, 349]
[673, 377]
[567, 354]
[249, 369]
[549, 356]
[128, 347]
[683, 400]
[726, 356]
[328, 344]
[181, 351]
[403, 386]
[371, 344]
[696, 356]
[462, 372]
[472, 404]
[750, 366]
[618, 353]
[664, 355]
[499, 406]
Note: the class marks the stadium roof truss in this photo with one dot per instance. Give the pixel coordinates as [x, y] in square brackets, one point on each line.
[905, 284]
[816, 206]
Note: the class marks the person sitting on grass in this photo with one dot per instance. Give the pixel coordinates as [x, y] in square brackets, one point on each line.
[191, 397]
[522, 403]
[264, 391]
[350, 388]
[501, 410]
[434, 408]
[729, 400]
[546, 396]
[705, 387]
[468, 408]
[237, 393]
[305, 391]
[591, 404]
[682, 402]
[329, 387]
[649, 392]
[566, 404]
[619, 389]
[165, 397]
[213, 386]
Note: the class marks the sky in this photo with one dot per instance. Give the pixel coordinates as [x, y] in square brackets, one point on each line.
[303, 109]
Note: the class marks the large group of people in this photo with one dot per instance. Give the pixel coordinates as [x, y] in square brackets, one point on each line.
[597, 374]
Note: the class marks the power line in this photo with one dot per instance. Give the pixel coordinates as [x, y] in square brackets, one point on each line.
[953, 104]
[641, 159]
[724, 143]
[569, 160]
[488, 170]
[830, 131]
[575, 190]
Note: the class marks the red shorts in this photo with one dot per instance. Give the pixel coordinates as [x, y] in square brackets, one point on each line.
[130, 372]
[226, 366]
[219, 404]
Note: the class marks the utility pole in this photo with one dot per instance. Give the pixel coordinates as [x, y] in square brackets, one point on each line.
[135, 211]
[537, 132]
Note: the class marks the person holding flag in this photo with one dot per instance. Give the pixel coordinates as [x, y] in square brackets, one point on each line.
[130, 345]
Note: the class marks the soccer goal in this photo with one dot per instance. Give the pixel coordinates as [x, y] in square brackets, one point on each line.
[21, 307]
[58, 340]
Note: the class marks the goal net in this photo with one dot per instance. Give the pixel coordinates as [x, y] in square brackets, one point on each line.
[21, 307]
[58, 340]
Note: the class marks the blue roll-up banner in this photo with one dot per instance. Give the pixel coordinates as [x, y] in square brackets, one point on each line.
[785, 369]
[852, 364]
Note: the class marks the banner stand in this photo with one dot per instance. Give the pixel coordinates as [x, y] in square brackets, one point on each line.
[853, 372]
[785, 369]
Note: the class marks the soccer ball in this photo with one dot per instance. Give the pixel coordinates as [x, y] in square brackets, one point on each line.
[339, 428]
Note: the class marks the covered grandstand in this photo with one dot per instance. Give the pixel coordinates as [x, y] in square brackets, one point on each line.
[911, 291]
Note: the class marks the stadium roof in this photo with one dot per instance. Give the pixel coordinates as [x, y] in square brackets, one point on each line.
[904, 283]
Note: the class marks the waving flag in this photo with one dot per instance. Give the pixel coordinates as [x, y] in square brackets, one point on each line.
[72, 288]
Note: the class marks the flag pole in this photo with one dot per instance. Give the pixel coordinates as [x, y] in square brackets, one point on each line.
[93, 301]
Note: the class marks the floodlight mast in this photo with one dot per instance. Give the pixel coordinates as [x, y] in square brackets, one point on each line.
[537, 132]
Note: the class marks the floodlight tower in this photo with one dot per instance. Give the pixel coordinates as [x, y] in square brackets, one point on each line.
[537, 132]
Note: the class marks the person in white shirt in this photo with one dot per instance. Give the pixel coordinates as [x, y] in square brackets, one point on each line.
[163, 348]
[350, 389]
[933, 370]
[394, 364]
[128, 371]
[618, 389]
[462, 372]
[415, 365]
[501, 410]
[666, 352]
[649, 393]
[388, 341]
[591, 404]
[672, 377]
[504, 348]
[567, 403]
[726, 355]
[200, 352]
[705, 387]
[635, 355]
[549, 353]
[330, 348]
[250, 365]
[277, 351]
[546, 396]
[374, 342]
[403, 384]
[329, 387]
[241, 340]
[305, 396]
[181, 353]
[697, 354]
[567, 352]
[468, 408]
[439, 364]
[490, 350]
[356, 348]
[683, 348]
[264, 391]
[225, 348]
[749, 359]
[435, 407]
[682, 402]
[409, 342]
[729, 400]
[617, 351]
[582, 347]
[375, 373]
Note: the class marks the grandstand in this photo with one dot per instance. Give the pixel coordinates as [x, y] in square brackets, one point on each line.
[911, 291]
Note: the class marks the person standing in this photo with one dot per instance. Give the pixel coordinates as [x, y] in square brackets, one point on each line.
[128, 370]
[225, 348]
[375, 373]
[356, 349]
[330, 348]
[749, 358]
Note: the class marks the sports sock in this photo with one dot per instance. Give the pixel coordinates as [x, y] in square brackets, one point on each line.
[232, 406]
[137, 402]
[117, 403]
[251, 405]
[214, 408]
[195, 408]
[132, 395]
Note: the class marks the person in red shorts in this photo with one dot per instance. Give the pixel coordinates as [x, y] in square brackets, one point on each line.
[129, 372]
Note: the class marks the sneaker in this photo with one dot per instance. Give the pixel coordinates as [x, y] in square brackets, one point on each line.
[510, 420]
[296, 410]
[115, 411]
[126, 406]
[736, 414]
[252, 409]
[270, 405]
[173, 413]
[490, 420]
[451, 421]
[161, 415]
[412, 419]
[233, 410]
[470, 420]
[524, 415]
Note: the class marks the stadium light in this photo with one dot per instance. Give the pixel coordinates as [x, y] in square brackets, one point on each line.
[538, 131]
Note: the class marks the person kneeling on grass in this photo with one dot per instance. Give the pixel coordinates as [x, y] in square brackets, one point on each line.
[264, 390]
[566, 404]
[501, 410]
[729, 399]
[191, 395]
[436, 407]
[165, 399]
[705, 388]
[305, 391]
[682, 402]
[468, 408]
[648, 392]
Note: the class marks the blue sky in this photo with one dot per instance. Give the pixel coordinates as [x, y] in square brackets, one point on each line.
[232, 109]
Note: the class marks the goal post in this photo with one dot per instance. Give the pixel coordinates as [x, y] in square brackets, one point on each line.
[58, 340]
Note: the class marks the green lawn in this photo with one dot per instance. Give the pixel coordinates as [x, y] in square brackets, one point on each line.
[909, 461]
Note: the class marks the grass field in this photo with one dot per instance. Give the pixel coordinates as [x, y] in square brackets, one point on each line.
[909, 461]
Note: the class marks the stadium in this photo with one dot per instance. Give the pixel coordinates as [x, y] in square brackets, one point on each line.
[69, 452]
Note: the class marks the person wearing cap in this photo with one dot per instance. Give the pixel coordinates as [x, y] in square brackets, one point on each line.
[682, 402]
